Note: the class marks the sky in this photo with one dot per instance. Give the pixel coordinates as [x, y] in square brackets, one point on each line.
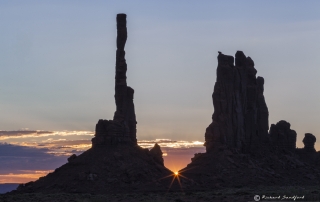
[57, 62]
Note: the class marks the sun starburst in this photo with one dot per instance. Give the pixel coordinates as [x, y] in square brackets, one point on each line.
[176, 176]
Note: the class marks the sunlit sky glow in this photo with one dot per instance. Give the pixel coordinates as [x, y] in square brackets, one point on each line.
[30, 175]
[57, 62]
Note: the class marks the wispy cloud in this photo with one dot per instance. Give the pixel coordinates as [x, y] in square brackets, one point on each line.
[170, 143]
[58, 143]
[4, 135]
[21, 133]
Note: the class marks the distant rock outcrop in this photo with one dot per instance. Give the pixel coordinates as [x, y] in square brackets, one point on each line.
[122, 129]
[240, 118]
[309, 140]
[72, 157]
[309, 153]
[157, 154]
[282, 136]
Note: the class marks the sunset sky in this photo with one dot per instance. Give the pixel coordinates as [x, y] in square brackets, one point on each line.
[57, 62]
[28, 155]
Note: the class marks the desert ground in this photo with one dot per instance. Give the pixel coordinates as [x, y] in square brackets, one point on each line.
[310, 193]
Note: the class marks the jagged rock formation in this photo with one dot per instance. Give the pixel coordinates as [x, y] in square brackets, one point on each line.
[309, 140]
[282, 136]
[122, 129]
[72, 157]
[240, 118]
[157, 154]
[309, 153]
[240, 151]
[115, 163]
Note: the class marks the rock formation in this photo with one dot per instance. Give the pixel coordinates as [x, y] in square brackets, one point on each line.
[240, 118]
[282, 136]
[309, 140]
[240, 151]
[122, 129]
[309, 153]
[115, 163]
[72, 157]
[157, 154]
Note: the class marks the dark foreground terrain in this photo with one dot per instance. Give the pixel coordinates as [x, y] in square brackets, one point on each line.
[310, 193]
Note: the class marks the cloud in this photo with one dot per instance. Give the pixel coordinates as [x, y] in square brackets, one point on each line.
[4, 135]
[168, 143]
[18, 159]
[57, 142]
[21, 133]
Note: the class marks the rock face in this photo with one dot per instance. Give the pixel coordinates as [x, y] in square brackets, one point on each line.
[157, 154]
[122, 129]
[72, 157]
[282, 136]
[240, 118]
[309, 140]
[309, 153]
[240, 151]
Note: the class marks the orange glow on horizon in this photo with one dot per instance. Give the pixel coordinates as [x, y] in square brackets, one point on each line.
[177, 162]
[23, 177]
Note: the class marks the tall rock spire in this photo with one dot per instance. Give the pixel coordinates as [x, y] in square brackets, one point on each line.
[123, 93]
[121, 68]
[122, 129]
[240, 118]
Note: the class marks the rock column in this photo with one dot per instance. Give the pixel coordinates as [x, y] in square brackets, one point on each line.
[240, 118]
[282, 136]
[124, 94]
[121, 69]
[122, 129]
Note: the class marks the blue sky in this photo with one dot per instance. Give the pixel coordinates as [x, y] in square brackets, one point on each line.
[57, 62]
